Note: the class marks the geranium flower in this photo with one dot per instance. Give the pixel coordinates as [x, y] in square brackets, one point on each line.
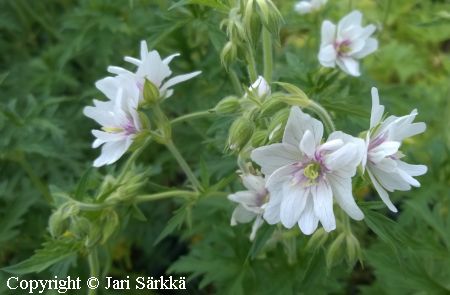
[305, 175]
[382, 160]
[305, 7]
[118, 116]
[347, 43]
[155, 69]
[250, 202]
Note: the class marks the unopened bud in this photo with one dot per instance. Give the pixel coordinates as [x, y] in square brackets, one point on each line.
[276, 129]
[353, 249]
[259, 138]
[228, 54]
[151, 93]
[317, 239]
[271, 106]
[227, 105]
[240, 133]
[270, 15]
[334, 253]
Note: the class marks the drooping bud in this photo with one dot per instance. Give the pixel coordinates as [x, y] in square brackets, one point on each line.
[353, 249]
[228, 54]
[240, 133]
[335, 251]
[270, 15]
[228, 105]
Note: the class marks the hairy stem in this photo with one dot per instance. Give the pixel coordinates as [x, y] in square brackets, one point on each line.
[267, 53]
[183, 164]
[323, 115]
[94, 267]
[195, 115]
[164, 195]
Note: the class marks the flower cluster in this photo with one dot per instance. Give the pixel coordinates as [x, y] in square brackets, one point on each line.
[305, 175]
[119, 116]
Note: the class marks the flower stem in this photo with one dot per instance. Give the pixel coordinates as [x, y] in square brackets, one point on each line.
[323, 115]
[94, 267]
[235, 82]
[267, 52]
[164, 195]
[184, 166]
[195, 115]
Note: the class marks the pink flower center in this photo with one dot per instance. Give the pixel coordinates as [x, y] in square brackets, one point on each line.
[342, 47]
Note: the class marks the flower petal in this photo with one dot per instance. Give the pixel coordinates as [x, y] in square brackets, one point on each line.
[328, 33]
[413, 170]
[178, 79]
[377, 109]
[112, 151]
[349, 65]
[292, 205]
[370, 46]
[342, 192]
[274, 156]
[241, 215]
[307, 145]
[382, 193]
[298, 122]
[323, 205]
[327, 56]
[308, 220]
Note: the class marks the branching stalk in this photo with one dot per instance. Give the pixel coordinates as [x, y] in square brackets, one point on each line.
[184, 165]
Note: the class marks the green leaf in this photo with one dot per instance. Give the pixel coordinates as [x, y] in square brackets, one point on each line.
[262, 237]
[175, 222]
[385, 228]
[52, 251]
[83, 185]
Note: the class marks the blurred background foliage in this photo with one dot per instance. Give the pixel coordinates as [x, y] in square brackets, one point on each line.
[52, 52]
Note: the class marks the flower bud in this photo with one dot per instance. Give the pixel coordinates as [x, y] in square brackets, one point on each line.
[151, 93]
[240, 133]
[317, 239]
[259, 138]
[228, 105]
[353, 249]
[276, 125]
[271, 106]
[270, 15]
[334, 253]
[228, 54]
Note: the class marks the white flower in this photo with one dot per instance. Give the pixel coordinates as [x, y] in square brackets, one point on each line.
[304, 7]
[347, 43]
[305, 174]
[382, 160]
[155, 69]
[260, 87]
[250, 202]
[118, 116]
